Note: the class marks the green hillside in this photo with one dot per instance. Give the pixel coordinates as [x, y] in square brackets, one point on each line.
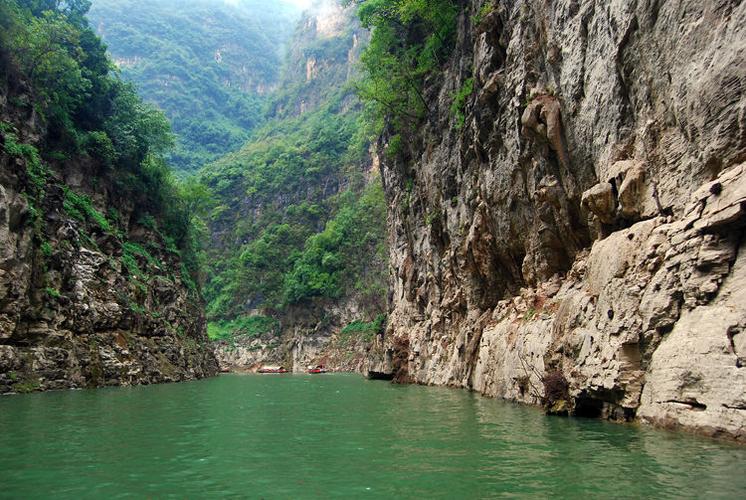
[296, 220]
[207, 63]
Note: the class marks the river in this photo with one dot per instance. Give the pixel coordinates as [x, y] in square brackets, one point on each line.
[337, 436]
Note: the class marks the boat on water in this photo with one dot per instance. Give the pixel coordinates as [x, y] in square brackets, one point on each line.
[317, 369]
[272, 369]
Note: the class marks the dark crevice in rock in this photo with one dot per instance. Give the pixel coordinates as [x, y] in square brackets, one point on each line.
[379, 375]
[735, 407]
[588, 407]
[693, 404]
[400, 361]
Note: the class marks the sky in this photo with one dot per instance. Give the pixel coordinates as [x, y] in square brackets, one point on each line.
[303, 4]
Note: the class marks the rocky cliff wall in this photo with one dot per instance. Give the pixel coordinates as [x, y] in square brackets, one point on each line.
[89, 296]
[309, 335]
[321, 59]
[576, 243]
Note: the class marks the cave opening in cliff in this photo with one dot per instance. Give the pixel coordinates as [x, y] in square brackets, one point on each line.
[588, 407]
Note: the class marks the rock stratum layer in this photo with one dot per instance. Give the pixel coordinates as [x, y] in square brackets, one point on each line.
[585, 224]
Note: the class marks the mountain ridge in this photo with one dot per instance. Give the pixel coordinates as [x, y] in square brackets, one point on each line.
[208, 65]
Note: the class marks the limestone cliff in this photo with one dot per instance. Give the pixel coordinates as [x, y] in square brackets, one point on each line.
[308, 336]
[89, 295]
[320, 60]
[576, 242]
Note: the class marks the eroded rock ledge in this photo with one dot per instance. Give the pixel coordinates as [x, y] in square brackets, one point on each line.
[585, 223]
[71, 314]
[310, 335]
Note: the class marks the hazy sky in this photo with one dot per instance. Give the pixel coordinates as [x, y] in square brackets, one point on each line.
[303, 4]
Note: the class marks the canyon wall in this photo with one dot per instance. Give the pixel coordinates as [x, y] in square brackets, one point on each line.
[91, 293]
[308, 336]
[576, 242]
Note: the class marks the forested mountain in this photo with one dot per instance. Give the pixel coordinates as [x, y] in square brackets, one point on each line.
[298, 221]
[208, 64]
[293, 251]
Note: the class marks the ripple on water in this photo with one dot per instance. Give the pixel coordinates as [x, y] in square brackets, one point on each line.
[337, 436]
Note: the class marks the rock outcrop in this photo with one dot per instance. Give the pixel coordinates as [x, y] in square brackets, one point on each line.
[584, 225]
[309, 335]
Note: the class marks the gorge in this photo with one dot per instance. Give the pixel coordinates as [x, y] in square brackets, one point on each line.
[541, 202]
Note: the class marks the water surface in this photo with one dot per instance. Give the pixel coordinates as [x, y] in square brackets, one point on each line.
[337, 436]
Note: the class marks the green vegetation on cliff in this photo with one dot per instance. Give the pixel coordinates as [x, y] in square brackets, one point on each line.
[410, 39]
[296, 220]
[315, 227]
[345, 256]
[251, 326]
[65, 78]
[363, 329]
[206, 63]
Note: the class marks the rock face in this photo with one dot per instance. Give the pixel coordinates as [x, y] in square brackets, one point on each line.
[584, 225]
[83, 302]
[310, 335]
[322, 57]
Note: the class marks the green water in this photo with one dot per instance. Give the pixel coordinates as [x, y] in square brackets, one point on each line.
[284, 436]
